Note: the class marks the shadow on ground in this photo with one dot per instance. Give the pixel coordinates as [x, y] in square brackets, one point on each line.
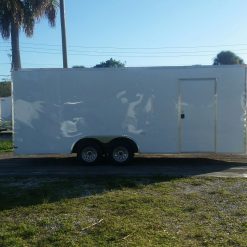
[166, 165]
[26, 181]
[29, 191]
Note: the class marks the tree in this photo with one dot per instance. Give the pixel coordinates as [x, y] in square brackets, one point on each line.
[78, 67]
[111, 63]
[22, 14]
[5, 89]
[227, 57]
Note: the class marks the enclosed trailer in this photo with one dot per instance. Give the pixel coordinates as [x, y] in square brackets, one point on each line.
[117, 112]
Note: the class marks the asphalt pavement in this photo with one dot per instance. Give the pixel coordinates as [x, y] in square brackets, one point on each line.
[156, 165]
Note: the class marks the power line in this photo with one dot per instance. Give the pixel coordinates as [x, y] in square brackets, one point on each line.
[48, 64]
[130, 48]
[28, 62]
[145, 48]
[36, 63]
[124, 56]
[57, 51]
[131, 53]
[31, 49]
[114, 55]
[120, 55]
[122, 52]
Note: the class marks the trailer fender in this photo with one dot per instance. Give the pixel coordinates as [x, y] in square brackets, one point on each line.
[105, 143]
[82, 141]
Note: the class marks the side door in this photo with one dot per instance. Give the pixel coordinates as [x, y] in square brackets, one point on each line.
[197, 115]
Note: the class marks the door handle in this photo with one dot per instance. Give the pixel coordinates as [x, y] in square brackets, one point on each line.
[182, 116]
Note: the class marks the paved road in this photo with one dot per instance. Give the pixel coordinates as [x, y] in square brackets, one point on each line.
[168, 165]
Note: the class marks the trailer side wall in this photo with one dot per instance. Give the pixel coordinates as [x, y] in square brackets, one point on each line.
[54, 108]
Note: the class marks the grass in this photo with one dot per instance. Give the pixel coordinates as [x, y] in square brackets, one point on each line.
[110, 211]
[6, 146]
[6, 125]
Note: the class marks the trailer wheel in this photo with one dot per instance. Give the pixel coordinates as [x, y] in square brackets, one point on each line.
[121, 152]
[89, 153]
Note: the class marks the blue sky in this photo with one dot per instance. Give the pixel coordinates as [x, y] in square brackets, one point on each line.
[140, 32]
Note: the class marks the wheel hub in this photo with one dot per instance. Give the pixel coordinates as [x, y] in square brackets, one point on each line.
[89, 154]
[120, 154]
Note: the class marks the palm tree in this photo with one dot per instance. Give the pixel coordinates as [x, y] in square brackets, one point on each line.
[22, 14]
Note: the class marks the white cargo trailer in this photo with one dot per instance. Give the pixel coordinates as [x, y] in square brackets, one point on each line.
[119, 112]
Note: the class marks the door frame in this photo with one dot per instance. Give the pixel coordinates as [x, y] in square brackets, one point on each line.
[179, 108]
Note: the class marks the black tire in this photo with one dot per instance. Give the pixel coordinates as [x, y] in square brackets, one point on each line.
[120, 152]
[89, 153]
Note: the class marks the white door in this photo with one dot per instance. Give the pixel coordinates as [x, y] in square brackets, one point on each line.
[197, 115]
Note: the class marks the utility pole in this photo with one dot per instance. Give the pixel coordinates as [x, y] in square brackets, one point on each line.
[63, 30]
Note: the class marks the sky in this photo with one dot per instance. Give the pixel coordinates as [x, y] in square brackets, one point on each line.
[138, 32]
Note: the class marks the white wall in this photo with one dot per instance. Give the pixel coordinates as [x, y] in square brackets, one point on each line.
[54, 108]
